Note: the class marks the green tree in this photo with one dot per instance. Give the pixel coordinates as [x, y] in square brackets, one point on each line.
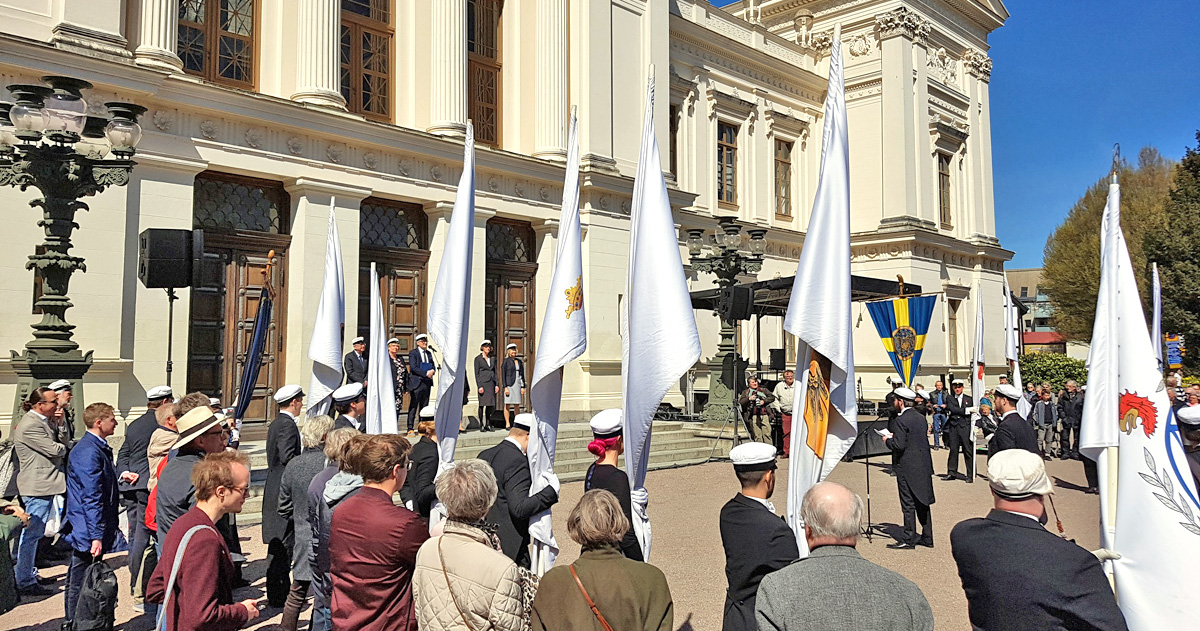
[1071, 263]
[1175, 246]
[1037, 368]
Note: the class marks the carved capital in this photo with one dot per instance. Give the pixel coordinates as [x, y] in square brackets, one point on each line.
[978, 64]
[902, 22]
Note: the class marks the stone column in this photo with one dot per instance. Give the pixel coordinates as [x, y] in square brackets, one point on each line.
[318, 68]
[158, 31]
[448, 107]
[552, 59]
[898, 30]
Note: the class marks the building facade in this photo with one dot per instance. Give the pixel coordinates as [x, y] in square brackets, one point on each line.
[264, 113]
[1038, 334]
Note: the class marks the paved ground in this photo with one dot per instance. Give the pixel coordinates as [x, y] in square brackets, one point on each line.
[687, 545]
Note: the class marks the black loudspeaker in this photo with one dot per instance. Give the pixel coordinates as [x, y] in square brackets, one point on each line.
[169, 258]
[778, 359]
[738, 303]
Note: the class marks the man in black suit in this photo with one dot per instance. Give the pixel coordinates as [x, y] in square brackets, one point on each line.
[1017, 575]
[355, 363]
[350, 404]
[514, 506]
[1014, 432]
[960, 433]
[756, 540]
[133, 470]
[914, 471]
[283, 444]
[420, 379]
[890, 409]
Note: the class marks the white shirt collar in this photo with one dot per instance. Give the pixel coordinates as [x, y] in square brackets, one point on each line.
[1039, 521]
[514, 441]
[289, 414]
[770, 506]
[39, 415]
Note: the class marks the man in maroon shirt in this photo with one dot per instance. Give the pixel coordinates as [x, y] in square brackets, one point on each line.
[201, 598]
[373, 543]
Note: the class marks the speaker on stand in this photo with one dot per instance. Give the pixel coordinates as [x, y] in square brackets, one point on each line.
[169, 259]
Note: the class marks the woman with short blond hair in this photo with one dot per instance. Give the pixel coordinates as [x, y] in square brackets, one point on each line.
[630, 595]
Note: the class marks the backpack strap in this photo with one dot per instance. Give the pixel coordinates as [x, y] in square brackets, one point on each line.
[161, 625]
[592, 605]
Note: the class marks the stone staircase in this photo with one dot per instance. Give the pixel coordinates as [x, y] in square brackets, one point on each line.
[675, 444]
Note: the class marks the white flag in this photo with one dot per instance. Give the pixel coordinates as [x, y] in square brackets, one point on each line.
[1157, 521]
[563, 338]
[1156, 334]
[381, 390]
[1012, 347]
[450, 307]
[978, 365]
[325, 348]
[659, 341]
[825, 421]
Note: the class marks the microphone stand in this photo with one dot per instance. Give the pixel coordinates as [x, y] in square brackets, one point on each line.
[869, 530]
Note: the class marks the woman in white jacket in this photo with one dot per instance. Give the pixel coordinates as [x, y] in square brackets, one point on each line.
[462, 581]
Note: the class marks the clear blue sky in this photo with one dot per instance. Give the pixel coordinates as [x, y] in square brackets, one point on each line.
[1072, 77]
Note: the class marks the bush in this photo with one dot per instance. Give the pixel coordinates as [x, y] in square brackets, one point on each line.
[1037, 368]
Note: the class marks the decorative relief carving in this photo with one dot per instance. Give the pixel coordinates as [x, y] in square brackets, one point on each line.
[335, 153]
[869, 88]
[493, 184]
[163, 120]
[902, 21]
[603, 202]
[978, 64]
[437, 173]
[295, 145]
[624, 207]
[821, 43]
[254, 137]
[371, 159]
[404, 166]
[717, 56]
[208, 129]
[862, 44]
[544, 194]
[519, 189]
[943, 67]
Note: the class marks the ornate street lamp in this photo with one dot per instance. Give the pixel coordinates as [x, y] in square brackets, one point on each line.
[48, 141]
[721, 254]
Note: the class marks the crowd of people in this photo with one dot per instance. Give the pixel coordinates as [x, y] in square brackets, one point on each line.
[381, 536]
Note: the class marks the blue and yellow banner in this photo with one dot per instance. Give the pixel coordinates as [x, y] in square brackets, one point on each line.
[902, 324]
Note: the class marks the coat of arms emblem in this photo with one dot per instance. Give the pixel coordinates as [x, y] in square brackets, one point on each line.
[904, 340]
[575, 297]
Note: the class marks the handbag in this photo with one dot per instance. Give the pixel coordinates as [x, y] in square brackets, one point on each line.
[161, 624]
[54, 522]
[599, 616]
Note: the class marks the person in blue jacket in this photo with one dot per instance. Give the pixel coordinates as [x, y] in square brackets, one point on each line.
[90, 513]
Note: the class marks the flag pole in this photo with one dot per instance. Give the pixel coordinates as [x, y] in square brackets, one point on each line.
[1107, 468]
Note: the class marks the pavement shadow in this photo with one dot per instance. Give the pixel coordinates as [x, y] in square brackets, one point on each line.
[687, 624]
[1070, 486]
[895, 531]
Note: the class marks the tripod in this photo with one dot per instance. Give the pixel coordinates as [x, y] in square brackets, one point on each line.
[735, 415]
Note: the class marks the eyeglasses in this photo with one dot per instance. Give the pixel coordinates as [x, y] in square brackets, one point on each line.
[212, 433]
[243, 490]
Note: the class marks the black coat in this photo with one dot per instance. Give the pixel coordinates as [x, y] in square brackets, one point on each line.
[757, 542]
[1070, 408]
[356, 370]
[485, 377]
[956, 414]
[344, 421]
[1017, 575]
[514, 506]
[511, 367]
[417, 370]
[914, 464]
[1014, 432]
[418, 486]
[132, 455]
[615, 481]
[283, 444]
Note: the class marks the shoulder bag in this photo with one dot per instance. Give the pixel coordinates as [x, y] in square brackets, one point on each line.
[161, 625]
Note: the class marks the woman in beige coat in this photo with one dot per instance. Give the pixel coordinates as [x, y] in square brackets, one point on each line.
[462, 581]
[630, 595]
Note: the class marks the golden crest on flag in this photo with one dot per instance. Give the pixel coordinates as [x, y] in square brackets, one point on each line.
[816, 404]
[904, 340]
[574, 297]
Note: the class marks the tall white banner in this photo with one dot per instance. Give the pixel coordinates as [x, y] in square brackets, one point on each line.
[825, 421]
[563, 338]
[659, 341]
[1012, 347]
[381, 390]
[1156, 523]
[1156, 334]
[978, 365]
[325, 348]
[450, 307]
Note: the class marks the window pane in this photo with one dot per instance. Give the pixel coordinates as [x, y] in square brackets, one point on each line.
[374, 9]
[390, 224]
[191, 48]
[191, 10]
[237, 17]
[239, 204]
[234, 62]
[509, 241]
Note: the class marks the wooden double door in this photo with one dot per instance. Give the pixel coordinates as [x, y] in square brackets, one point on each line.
[509, 308]
[402, 290]
[224, 306]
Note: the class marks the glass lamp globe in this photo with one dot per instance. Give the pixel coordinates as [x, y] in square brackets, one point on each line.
[27, 118]
[65, 113]
[123, 133]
